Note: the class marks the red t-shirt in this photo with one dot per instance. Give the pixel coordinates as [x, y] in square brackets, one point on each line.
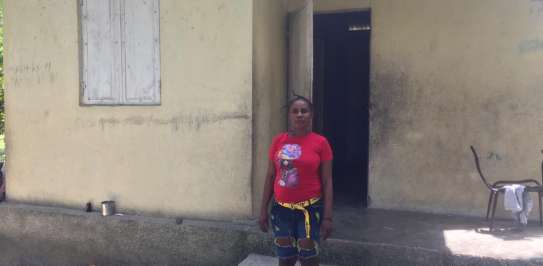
[297, 163]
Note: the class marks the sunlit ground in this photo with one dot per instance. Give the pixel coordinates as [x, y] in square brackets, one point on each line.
[502, 243]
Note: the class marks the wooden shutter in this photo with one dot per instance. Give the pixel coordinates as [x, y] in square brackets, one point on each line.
[100, 53]
[120, 52]
[142, 48]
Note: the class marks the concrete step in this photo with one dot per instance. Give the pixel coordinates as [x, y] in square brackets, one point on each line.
[261, 260]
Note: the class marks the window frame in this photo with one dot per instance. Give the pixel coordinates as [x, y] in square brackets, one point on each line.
[119, 88]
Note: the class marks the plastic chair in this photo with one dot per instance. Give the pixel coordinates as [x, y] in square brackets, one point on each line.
[497, 187]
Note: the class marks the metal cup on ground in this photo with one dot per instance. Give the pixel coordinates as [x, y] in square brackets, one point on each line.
[108, 208]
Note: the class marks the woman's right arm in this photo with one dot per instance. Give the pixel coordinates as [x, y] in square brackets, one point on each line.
[266, 197]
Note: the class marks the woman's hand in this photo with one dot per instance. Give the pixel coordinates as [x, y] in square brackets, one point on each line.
[326, 228]
[328, 194]
[263, 221]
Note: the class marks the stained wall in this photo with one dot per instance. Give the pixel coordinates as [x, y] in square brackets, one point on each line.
[189, 156]
[447, 75]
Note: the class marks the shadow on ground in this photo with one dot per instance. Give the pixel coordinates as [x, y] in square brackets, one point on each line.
[448, 234]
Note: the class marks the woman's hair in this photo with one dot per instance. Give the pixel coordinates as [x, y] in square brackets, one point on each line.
[299, 98]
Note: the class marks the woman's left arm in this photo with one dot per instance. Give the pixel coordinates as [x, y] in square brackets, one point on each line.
[328, 195]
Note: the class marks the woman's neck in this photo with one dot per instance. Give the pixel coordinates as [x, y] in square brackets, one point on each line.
[298, 132]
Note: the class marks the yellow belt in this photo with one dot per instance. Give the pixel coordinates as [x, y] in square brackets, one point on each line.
[301, 207]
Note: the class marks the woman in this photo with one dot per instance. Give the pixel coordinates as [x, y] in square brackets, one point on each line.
[299, 177]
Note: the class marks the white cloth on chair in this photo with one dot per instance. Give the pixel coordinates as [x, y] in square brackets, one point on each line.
[518, 201]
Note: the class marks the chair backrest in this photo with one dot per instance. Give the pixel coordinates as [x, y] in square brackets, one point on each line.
[479, 168]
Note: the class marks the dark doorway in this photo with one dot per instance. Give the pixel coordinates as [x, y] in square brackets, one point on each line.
[341, 95]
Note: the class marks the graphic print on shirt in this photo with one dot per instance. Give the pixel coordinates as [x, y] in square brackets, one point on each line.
[286, 156]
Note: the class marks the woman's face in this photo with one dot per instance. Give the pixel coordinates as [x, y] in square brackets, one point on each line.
[299, 115]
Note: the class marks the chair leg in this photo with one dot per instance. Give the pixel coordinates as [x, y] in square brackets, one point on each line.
[540, 215]
[495, 201]
[490, 196]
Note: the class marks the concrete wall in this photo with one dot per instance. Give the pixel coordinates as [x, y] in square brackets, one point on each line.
[330, 6]
[447, 74]
[32, 235]
[269, 79]
[327, 6]
[190, 156]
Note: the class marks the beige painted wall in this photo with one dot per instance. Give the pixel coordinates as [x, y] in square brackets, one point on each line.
[327, 6]
[190, 156]
[269, 92]
[447, 74]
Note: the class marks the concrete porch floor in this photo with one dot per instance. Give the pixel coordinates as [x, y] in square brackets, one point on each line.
[414, 238]
[37, 235]
[454, 235]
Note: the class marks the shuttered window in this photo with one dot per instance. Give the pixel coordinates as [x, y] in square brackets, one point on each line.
[120, 52]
